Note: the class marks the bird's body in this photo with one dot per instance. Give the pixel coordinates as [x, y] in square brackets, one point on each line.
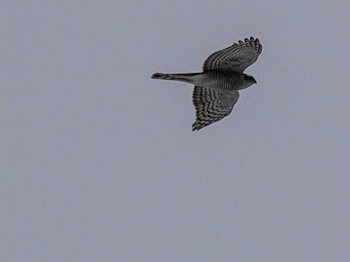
[229, 80]
[216, 88]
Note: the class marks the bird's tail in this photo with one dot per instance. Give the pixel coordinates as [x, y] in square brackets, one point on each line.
[186, 77]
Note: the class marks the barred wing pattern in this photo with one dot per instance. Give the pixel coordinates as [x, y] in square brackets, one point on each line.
[236, 57]
[212, 105]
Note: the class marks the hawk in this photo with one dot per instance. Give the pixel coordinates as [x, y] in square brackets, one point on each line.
[216, 88]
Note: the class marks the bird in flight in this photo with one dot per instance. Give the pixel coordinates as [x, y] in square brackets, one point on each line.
[216, 88]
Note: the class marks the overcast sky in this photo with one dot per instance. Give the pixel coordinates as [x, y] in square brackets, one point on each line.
[98, 161]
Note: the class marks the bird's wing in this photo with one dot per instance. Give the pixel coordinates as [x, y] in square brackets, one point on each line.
[212, 105]
[236, 57]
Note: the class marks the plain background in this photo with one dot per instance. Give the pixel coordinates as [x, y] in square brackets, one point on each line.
[98, 161]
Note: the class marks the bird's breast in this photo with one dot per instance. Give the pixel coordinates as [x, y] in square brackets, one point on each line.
[217, 79]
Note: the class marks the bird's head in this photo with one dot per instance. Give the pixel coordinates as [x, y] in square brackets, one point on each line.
[249, 79]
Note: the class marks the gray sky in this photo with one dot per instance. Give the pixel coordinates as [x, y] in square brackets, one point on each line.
[98, 161]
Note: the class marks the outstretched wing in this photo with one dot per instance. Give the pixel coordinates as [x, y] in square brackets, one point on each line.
[212, 105]
[236, 57]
